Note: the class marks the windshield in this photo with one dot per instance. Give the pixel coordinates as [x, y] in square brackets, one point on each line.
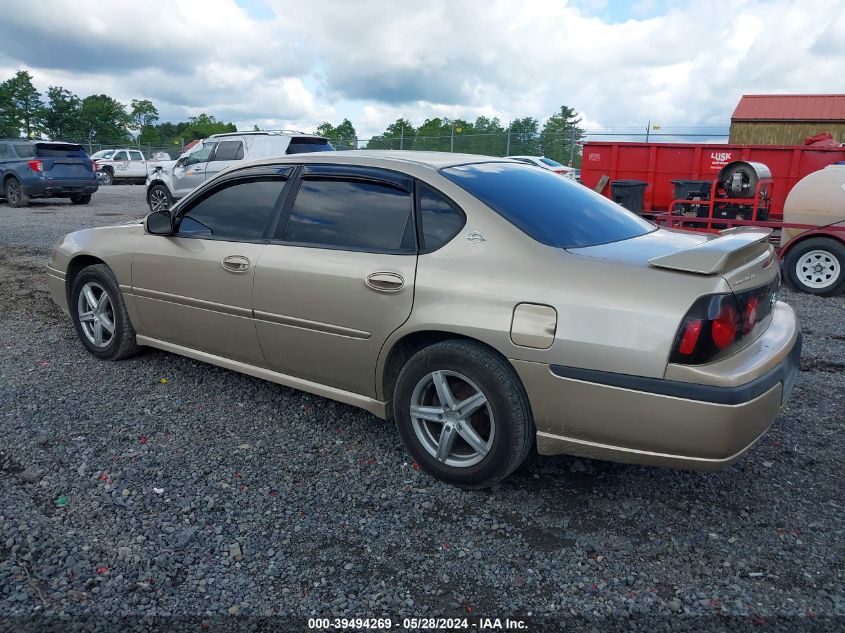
[553, 210]
[550, 162]
[103, 153]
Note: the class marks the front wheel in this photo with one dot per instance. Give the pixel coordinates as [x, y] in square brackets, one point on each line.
[159, 198]
[463, 414]
[817, 266]
[81, 199]
[106, 177]
[99, 314]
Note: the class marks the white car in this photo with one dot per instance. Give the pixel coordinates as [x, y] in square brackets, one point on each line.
[547, 163]
[170, 181]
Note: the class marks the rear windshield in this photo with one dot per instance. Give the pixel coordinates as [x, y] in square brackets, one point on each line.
[51, 150]
[303, 145]
[550, 162]
[553, 210]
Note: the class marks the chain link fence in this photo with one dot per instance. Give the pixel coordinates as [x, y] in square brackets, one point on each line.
[564, 148]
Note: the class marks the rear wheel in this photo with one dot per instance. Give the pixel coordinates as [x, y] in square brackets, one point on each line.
[817, 266]
[463, 414]
[81, 199]
[99, 314]
[15, 195]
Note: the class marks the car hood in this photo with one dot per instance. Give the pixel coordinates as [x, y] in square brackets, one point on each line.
[639, 250]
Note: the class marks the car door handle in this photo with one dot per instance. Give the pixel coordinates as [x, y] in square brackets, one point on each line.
[385, 282]
[236, 263]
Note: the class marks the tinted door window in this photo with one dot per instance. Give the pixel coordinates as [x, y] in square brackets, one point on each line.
[239, 210]
[352, 214]
[440, 220]
[135, 156]
[120, 156]
[4, 153]
[229, 150]
[553, 210]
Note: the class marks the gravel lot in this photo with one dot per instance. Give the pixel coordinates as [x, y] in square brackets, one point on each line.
[201, 499]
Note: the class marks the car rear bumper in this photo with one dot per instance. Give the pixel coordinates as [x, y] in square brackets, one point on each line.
[45, 188]
[664, 422]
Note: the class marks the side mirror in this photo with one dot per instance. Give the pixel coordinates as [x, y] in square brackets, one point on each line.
[159, 223]
[181, 162]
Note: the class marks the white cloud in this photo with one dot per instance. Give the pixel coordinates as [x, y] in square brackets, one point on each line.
[373, 61]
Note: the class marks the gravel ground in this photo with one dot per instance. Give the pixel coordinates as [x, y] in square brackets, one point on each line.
[162, 492]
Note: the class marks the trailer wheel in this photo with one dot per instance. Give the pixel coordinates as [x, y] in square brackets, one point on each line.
[817, 266]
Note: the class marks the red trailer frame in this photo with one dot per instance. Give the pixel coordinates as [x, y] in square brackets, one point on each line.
[659, 163]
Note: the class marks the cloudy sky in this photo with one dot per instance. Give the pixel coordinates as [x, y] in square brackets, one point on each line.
[282, 63]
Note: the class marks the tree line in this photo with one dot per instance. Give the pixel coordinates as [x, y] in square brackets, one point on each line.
[557, 138]
[101, 119]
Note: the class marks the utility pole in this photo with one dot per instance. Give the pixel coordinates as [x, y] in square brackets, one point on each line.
[508, 148]
[402, 137]
[647, 130]
[572, 148]
[452, 138]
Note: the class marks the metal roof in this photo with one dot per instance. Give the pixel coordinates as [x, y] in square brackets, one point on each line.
[790, 108]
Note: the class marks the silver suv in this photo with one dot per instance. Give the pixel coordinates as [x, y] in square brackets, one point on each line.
[170, 180]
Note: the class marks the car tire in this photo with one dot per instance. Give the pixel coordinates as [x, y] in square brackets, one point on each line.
[159, 198]
[817, 266]
[82, 199]
[15, 194]
[473, 448]
[92, 315]
[107, 178]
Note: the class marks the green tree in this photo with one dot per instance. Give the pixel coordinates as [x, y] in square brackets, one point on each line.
[434, 135]
[524, 137]
[21, 109]
[490, 138]
[398, 135]
[342, 136]
[143, 114]
[105, 120]
[62, 116]
[560, 136]
[203, 126]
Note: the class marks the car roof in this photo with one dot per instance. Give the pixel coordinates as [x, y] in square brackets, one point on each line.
[434, 160]
[266, 133]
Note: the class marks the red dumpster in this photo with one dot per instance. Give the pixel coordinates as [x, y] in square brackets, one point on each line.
[659, 164]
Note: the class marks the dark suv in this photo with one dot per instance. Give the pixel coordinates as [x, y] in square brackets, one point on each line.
[44, 169]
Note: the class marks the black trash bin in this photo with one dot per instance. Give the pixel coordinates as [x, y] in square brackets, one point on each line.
[629, 193]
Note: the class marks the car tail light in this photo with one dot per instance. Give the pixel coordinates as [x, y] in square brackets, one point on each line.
[35, 165]
[716, 324]
[94, 165]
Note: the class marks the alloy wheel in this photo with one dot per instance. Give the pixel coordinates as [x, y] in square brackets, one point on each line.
[13, 192]
[96, 314]
[452, 419]
[159, 200]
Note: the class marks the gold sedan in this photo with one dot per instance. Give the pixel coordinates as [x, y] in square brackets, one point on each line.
[489, 307]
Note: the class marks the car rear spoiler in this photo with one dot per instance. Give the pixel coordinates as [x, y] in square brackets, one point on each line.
[730, 249]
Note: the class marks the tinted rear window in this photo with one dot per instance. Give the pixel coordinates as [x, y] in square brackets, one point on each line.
[553, 210]
[24, 150]
[59, 150]
[302, 145]
[550, 162]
